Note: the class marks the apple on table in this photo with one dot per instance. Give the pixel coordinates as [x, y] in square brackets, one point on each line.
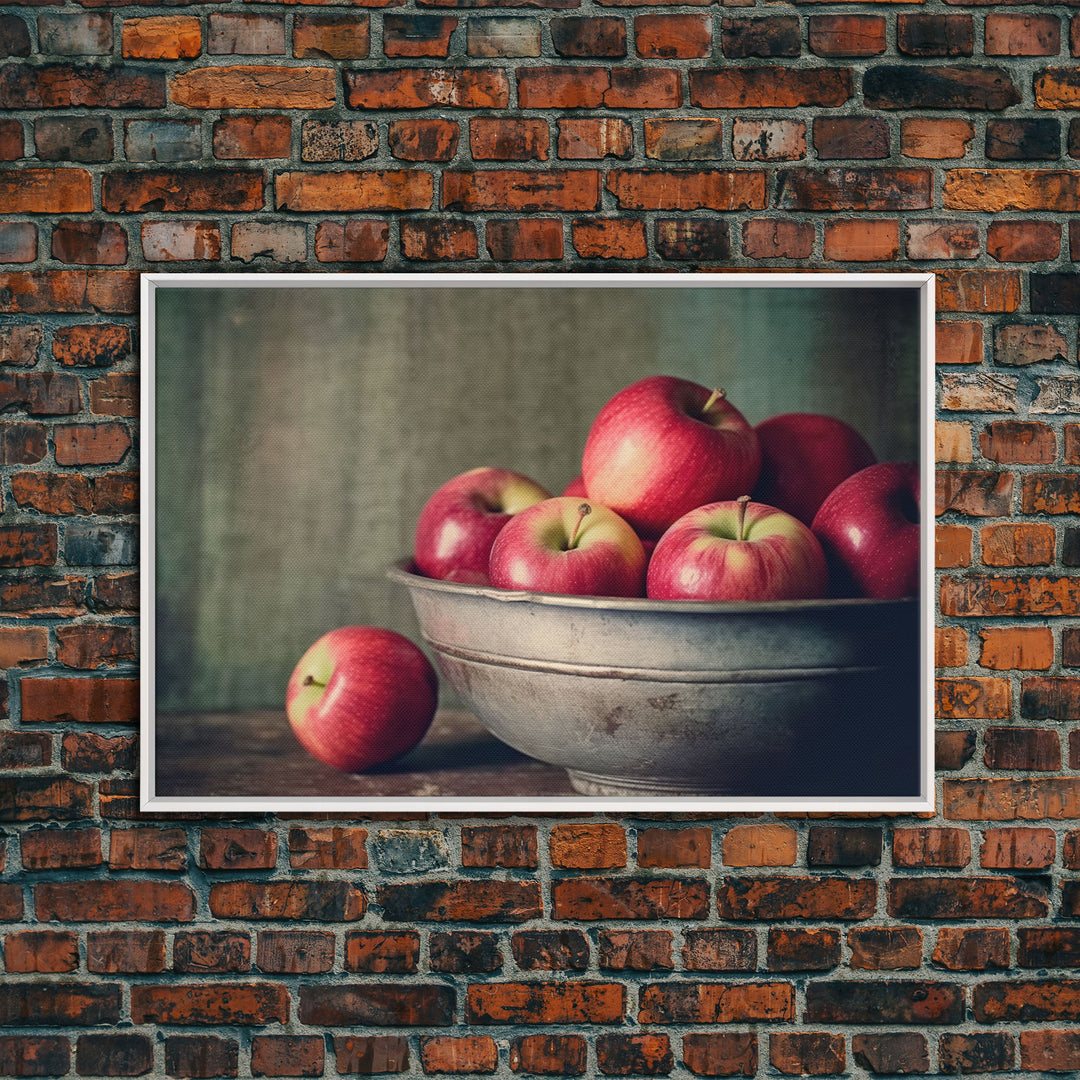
[803, 457]
[459, 522]
[737, 550]
[665, 445]
[361, 696]
[568, 546]
[869, 529]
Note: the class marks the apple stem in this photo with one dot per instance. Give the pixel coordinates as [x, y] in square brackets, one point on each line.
[742, 501]
[310, 680]
[583, 511]
[714, 397]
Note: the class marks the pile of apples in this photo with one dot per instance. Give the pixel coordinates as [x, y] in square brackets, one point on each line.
[679, 498]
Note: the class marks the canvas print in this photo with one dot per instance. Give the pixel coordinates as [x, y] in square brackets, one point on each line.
[537, 542]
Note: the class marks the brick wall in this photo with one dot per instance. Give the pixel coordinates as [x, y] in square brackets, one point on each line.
[540, 134]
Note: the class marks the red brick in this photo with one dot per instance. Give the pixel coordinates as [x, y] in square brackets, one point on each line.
[1017, 545]
[248, 137]
[11, 901]
[459, 1054]
[792, 897]
[952, 545]
[345, 36]
[1008, 799]
[147, 849]
[1017, 849]
[1019, 344]
[562, 1002]
[114, 394]
[891, 1001]
[88, 752]
[1011, 189]
[978, 948]
[91, 444]
[292, 952]
[1026, 999]
[375, 952]
[807, 1053]
[928, 846]
[164, 190]
[61, 849]
[210, 1003]
[237, 849]
[977, 392]
[23, 646]
[692, 239]
[589, 138]
[721, 1053]
[460, 951]
[1050, 1050]
[34, 1055]
[162, 37]
[53, 1003]
[125, 951]
[423, 139]
[28, 545]
[1017, 647]
[715, 1003]
[42, 951]
[41, 394]
[355, 240]
[25, 749]
[92, 345]
[1050, 698]
[325, 901]
[760, 845]
[80, 700]
[847, 35]
[330, 847]
[18, 239]
[769, 87]
[344, 191]
[775, 238]
[521, 190]
[952, 898]
[180, 241]
[411, 36]
[90, 243]
[11, 142]
[524, 239]
[287, 1055]
[979, 1051]
[673, 848]
[635, 950]
[254, 87]
[593, 87]
[1050, 493]
[20, 344]
[609, 238]
[855, 188]
[92, 646]
[668, 37]
[1023, 241]
[1022, 35]
[935, 139]
[803, 950]
[575, 36]
[114, 901]
[950, 646]
[857, 240]
[941, 240]
[202, 951]
[885, 948]
[109, 292]
[495, 138]
[640, 1054]
[422, 88]
[720, 950]
[629, 898]
[45, 191]
[686, 189]
[371, 1054]
[549, 1055]
[464, 900]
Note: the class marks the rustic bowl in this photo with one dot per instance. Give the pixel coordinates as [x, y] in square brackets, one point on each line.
[639, 697]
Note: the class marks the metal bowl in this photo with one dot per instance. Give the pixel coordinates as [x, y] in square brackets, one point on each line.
[646, 697]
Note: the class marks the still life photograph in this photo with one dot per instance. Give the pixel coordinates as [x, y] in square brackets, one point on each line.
[648, 542]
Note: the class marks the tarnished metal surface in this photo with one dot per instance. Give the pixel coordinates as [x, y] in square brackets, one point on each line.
[651, 697]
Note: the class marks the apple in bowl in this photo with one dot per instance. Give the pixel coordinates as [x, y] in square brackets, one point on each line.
[569, 546]
[869, 528]
[737, 550]
[663, 446]
[459, 522]
[361, 696]
[803, 457]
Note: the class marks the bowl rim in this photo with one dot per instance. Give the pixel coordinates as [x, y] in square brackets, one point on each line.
[403, 571]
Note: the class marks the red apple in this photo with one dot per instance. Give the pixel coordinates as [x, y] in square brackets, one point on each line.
[564, 545]
[737, 550]
[663, 446]
[576, 487]
[360, 696]
[869, 528]
[803, 457]
[460, 521]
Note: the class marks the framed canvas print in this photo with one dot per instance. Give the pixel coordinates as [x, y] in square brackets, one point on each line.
[640, 542]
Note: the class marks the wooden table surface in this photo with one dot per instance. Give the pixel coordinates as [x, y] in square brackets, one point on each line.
[254, 754]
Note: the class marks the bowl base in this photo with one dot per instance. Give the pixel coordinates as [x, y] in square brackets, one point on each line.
[587, 783]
